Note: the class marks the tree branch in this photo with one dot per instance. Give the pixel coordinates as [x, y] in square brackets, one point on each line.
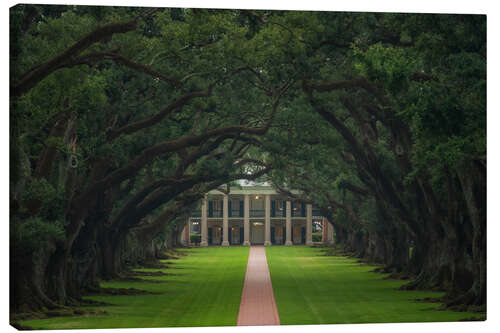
[32, 77]
[112, 134]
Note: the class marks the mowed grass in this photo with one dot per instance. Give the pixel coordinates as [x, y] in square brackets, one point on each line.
[311, 288]
[206, 291]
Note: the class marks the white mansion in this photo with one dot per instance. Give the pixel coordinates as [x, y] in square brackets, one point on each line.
[255, 215]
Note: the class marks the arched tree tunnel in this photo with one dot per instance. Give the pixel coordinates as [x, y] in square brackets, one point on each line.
[121, 119]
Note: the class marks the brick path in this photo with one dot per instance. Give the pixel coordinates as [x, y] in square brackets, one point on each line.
[257, 301]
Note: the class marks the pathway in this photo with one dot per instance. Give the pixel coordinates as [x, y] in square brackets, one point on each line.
[258, 306]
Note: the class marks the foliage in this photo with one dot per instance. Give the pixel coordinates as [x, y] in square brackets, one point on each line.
[195, 239]
[380, 115]
[32, 234]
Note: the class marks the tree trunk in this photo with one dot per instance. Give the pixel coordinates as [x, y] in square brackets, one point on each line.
[472, 176]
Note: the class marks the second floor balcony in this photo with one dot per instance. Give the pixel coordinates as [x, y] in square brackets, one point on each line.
[236, 210]
[257, 212]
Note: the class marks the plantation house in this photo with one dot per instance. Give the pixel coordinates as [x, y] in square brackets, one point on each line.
[255, 215]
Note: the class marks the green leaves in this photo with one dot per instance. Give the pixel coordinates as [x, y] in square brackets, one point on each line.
[32, 234]
[390, 66]
[429, 70]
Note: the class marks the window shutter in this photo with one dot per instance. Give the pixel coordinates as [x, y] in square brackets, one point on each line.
[230, 210]
[273, 208]
[210, 209]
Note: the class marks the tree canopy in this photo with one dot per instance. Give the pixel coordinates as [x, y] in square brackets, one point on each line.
[122, 118]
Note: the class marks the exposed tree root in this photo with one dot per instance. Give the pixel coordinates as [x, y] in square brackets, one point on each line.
[469, 299]
[423, 282]
[398, 276]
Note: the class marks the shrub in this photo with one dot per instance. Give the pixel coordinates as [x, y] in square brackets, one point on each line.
[316, 237]
[195, 239]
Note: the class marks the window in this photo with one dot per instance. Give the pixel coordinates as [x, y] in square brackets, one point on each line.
[217, 204]
[195, 227]
[257, 204]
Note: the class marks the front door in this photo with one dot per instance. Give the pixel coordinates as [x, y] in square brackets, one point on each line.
[217, 235]
[257, 233]
[235, 235]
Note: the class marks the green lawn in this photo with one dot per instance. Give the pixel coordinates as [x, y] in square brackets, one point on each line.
[309, 289]
[205, 292]
[314, 289]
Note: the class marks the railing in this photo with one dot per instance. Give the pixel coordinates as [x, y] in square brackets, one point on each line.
[215, 213]
[316, 212]
[257, 213]
[297, 213]
[277, 213]
[236, 213]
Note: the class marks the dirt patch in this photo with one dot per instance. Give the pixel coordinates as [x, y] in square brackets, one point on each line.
[397, 276]
[91, 302]
[154, 265]
[172, 254]
[123, 291]
[137, 279]
[67, 312]
[429, 300]
[156, 273]
[473, 319]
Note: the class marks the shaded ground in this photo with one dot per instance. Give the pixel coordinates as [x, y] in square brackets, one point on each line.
[207, 293]
[311, 288]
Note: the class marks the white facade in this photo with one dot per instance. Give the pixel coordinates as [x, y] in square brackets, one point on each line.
[252, 215]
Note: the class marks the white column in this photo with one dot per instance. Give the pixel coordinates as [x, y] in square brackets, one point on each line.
[225, 221]
[204, 223]
[288, 241]
[331, 240]
[267, 220]
[184, 241]
[309, 224]
[324, 226]
[246, 220]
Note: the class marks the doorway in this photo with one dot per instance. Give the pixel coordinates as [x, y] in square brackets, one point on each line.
[257, 234]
